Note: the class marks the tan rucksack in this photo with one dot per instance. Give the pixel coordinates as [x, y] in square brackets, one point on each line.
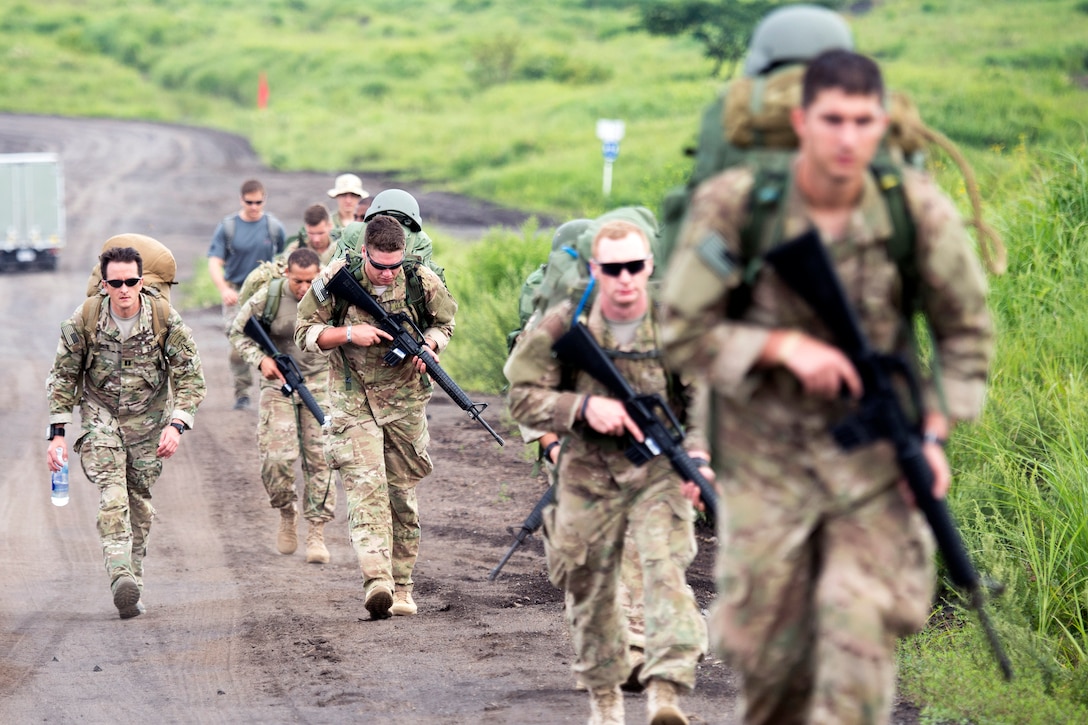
[159, 273]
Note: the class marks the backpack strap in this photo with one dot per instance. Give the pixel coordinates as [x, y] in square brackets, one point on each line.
[763, 206]
[272, 302]
[230, 226]
[901, 245]
[275, 233]
[91, 310]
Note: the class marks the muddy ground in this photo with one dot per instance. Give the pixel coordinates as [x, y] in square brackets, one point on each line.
[235, 632]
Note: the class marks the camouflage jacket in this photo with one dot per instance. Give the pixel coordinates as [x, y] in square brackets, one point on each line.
[700, 338]
[130, 389]
[361, 382]
[314, 366]
[538, 396]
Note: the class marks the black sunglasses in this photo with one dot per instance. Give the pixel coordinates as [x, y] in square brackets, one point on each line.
[130, 282]
[253, 202]
[384, 267]
[615, 269]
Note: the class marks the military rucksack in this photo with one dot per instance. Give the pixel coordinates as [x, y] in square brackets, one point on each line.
[416, 296]
[261, 275]
[749, 124]
[159, 274]
[417, 246]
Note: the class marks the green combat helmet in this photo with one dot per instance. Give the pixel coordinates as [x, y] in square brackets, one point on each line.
[795, 34]
[398, 204]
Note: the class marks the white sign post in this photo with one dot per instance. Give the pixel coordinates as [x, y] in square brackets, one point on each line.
[610, 132]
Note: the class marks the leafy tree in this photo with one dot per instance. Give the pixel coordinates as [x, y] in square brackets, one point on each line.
[724, 27]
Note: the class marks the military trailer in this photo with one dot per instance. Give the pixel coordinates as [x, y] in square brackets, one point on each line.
[31, 211]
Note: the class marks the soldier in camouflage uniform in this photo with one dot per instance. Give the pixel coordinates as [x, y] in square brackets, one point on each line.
[315, 234]
[122, 381]
[378, 436]
[285, 427]
[601, 494]
[823, 561]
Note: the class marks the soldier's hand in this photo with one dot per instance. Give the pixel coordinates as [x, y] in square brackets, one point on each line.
[55, 445]
[822, 369]
[691, 490]
[609, 416]
[421, 367]
[169, 440]
[367, 335]
[229, 296]
[270, 370]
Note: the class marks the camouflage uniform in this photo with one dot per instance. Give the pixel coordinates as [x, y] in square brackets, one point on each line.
[378, 436]
[125, 403]
[601, 495]
[822, 564]
[285, 427]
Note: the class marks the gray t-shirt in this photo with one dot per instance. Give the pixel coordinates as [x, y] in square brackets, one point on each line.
[253, 243]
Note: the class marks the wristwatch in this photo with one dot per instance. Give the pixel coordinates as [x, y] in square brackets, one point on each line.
[179, 427]
[54, 431]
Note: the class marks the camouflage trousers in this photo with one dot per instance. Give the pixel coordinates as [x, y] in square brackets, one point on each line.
[380, 466]
[287, 432]
[241, 372]
[813, 588]
[124, 476]
[602, 497]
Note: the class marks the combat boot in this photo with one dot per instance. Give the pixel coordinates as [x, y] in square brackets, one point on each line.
[316, 553]
[663, 703]
[403, 604]
[287, 537]
[606, 706]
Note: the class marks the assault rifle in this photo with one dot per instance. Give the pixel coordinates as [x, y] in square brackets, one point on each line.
[803, 264]
[288, 367]
[661, 430]
[529, 526]
[404, 345]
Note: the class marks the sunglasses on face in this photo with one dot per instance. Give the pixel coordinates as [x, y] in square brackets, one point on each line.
[615, 269]
[253, 202]
[130, 282]
[384, 267]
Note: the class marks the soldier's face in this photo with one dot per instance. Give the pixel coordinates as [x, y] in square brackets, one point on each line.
[840, 133]
[362, 208]
[124, 300]
[318, 235]
[383, 267]
[346, 204]
[622, 269]
[252, 206]
[299, 280]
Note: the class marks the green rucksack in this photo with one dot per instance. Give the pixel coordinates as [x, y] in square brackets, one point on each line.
[749, 124]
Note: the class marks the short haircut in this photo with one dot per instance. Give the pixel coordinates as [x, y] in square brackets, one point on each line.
[120, 254]
[618, 229]
[852, 73]
[302, 258]
[384, 234]
[252, 186]
[315, 214]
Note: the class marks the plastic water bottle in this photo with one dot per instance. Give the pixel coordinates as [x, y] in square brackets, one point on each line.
[60, 481]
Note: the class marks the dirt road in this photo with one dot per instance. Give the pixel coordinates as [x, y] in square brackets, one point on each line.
[235, 632]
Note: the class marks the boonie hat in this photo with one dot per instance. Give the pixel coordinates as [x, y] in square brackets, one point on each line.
[348, 184]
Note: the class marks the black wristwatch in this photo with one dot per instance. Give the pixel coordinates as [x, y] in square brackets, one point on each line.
[179, 427]
[54, 431]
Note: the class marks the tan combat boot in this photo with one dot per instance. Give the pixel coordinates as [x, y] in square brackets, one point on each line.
[403, 604]
[662, 703]
[316, 553]
[606, 706]
[287, 537]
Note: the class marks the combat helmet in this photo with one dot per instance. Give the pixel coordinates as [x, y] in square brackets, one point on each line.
[567, 233]
[795, 34]
[398, 204]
